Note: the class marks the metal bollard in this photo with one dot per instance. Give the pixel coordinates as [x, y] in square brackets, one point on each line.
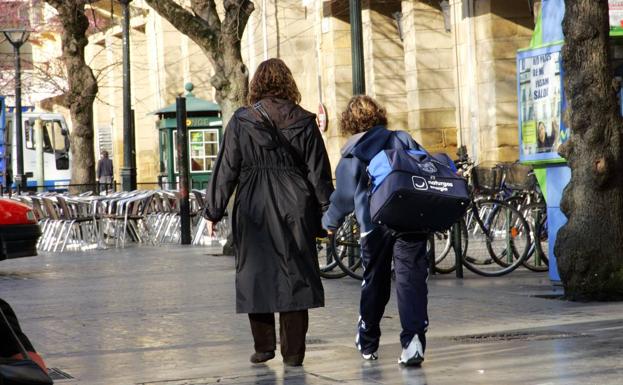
[456, 244]
[182, 161]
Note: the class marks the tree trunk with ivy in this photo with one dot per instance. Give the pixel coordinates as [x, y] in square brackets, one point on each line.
[219, 38]
[82, 89]
[588, 247]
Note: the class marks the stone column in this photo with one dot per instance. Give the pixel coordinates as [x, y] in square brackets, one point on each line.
[383, 55]
[430, 73]
[489, 34]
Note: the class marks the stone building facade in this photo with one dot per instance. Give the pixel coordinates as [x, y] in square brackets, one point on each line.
[445, 74]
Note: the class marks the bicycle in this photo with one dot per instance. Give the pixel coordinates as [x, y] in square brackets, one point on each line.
[495, 237]
[347, 248]
[327, 263]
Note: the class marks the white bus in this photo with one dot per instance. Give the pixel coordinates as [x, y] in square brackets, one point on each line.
[56, 154]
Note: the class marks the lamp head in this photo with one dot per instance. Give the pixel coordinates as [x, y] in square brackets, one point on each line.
[16, 37]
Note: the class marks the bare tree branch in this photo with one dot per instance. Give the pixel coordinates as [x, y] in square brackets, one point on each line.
[237, 15]
[190, 25]
[206, 9]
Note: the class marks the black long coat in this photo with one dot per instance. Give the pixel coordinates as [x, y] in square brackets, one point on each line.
[275, 215]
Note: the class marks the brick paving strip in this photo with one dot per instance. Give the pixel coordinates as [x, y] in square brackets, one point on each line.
[165, 316]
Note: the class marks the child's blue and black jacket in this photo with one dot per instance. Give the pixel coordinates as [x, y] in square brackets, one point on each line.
[352, 182]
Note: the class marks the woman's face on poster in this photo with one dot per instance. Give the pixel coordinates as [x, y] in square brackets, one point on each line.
[541, 132]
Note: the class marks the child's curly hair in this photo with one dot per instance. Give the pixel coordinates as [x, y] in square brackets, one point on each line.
[273, 78]
[361, 114]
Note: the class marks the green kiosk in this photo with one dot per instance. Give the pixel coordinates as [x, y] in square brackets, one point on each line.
[205, 129]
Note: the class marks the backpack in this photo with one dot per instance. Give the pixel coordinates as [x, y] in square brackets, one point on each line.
[412, 191]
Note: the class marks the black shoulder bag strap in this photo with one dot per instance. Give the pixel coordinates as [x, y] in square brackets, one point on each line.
[25, 371]
[22, 349]
[281, 139]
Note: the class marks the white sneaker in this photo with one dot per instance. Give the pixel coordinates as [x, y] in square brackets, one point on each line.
[368, 357]
[412, 355]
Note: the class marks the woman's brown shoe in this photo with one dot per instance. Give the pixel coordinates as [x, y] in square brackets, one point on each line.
[258, 357]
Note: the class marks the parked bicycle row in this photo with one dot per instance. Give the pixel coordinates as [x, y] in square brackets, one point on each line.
[504, 228]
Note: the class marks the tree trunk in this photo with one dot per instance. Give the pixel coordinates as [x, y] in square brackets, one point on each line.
[82, 91]
[219, 40]
[588, 247]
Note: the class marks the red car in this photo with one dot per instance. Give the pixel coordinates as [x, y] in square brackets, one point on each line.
[19, 230]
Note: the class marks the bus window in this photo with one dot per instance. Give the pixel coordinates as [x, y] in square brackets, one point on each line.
[59, 142]
[29, 134]
[47, 134]
[58, 138]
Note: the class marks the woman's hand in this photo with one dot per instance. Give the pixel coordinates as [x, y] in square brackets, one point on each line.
[211, 228]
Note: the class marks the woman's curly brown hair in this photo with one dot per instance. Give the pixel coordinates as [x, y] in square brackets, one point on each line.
[273, 78]
[361, 114]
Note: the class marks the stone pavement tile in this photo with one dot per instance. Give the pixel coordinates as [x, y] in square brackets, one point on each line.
[160, 315]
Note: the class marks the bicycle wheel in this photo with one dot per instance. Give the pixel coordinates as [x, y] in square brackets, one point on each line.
[347, 248]
[536, 216]
[499, 239]
[445, 259]
[326, 259]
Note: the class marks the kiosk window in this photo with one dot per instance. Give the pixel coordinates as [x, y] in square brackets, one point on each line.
[203, 150]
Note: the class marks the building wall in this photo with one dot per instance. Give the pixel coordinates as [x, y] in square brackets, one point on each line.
[430, 67]
[336, 70]
[384, 56]
[445, 87]
[488, 35]
[162, 61]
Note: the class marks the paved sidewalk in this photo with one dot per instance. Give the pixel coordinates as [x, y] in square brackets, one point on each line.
[165, 316]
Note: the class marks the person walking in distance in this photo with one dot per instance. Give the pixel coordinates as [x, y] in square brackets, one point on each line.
[274, 156]
[366, 121]
[105, 171]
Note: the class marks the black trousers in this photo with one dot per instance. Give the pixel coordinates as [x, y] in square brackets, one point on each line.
[293, 327]
[411, 267]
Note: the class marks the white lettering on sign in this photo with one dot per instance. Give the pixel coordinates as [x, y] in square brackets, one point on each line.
[440, 186]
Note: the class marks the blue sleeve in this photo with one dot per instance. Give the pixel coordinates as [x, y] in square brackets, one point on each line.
[343, 198]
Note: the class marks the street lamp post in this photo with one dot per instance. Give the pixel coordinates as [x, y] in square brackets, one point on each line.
[128, 172]
[356, 36]
[17, 38]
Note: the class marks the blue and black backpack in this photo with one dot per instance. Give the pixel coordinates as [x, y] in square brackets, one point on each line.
[413, 191]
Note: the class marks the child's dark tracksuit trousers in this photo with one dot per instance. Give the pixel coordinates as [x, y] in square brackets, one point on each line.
[411, 270]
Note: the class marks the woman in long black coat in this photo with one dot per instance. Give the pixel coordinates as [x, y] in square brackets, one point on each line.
[276, 216]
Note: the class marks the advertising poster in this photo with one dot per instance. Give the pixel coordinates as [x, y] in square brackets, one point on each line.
[616, 16]
[540, 97]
